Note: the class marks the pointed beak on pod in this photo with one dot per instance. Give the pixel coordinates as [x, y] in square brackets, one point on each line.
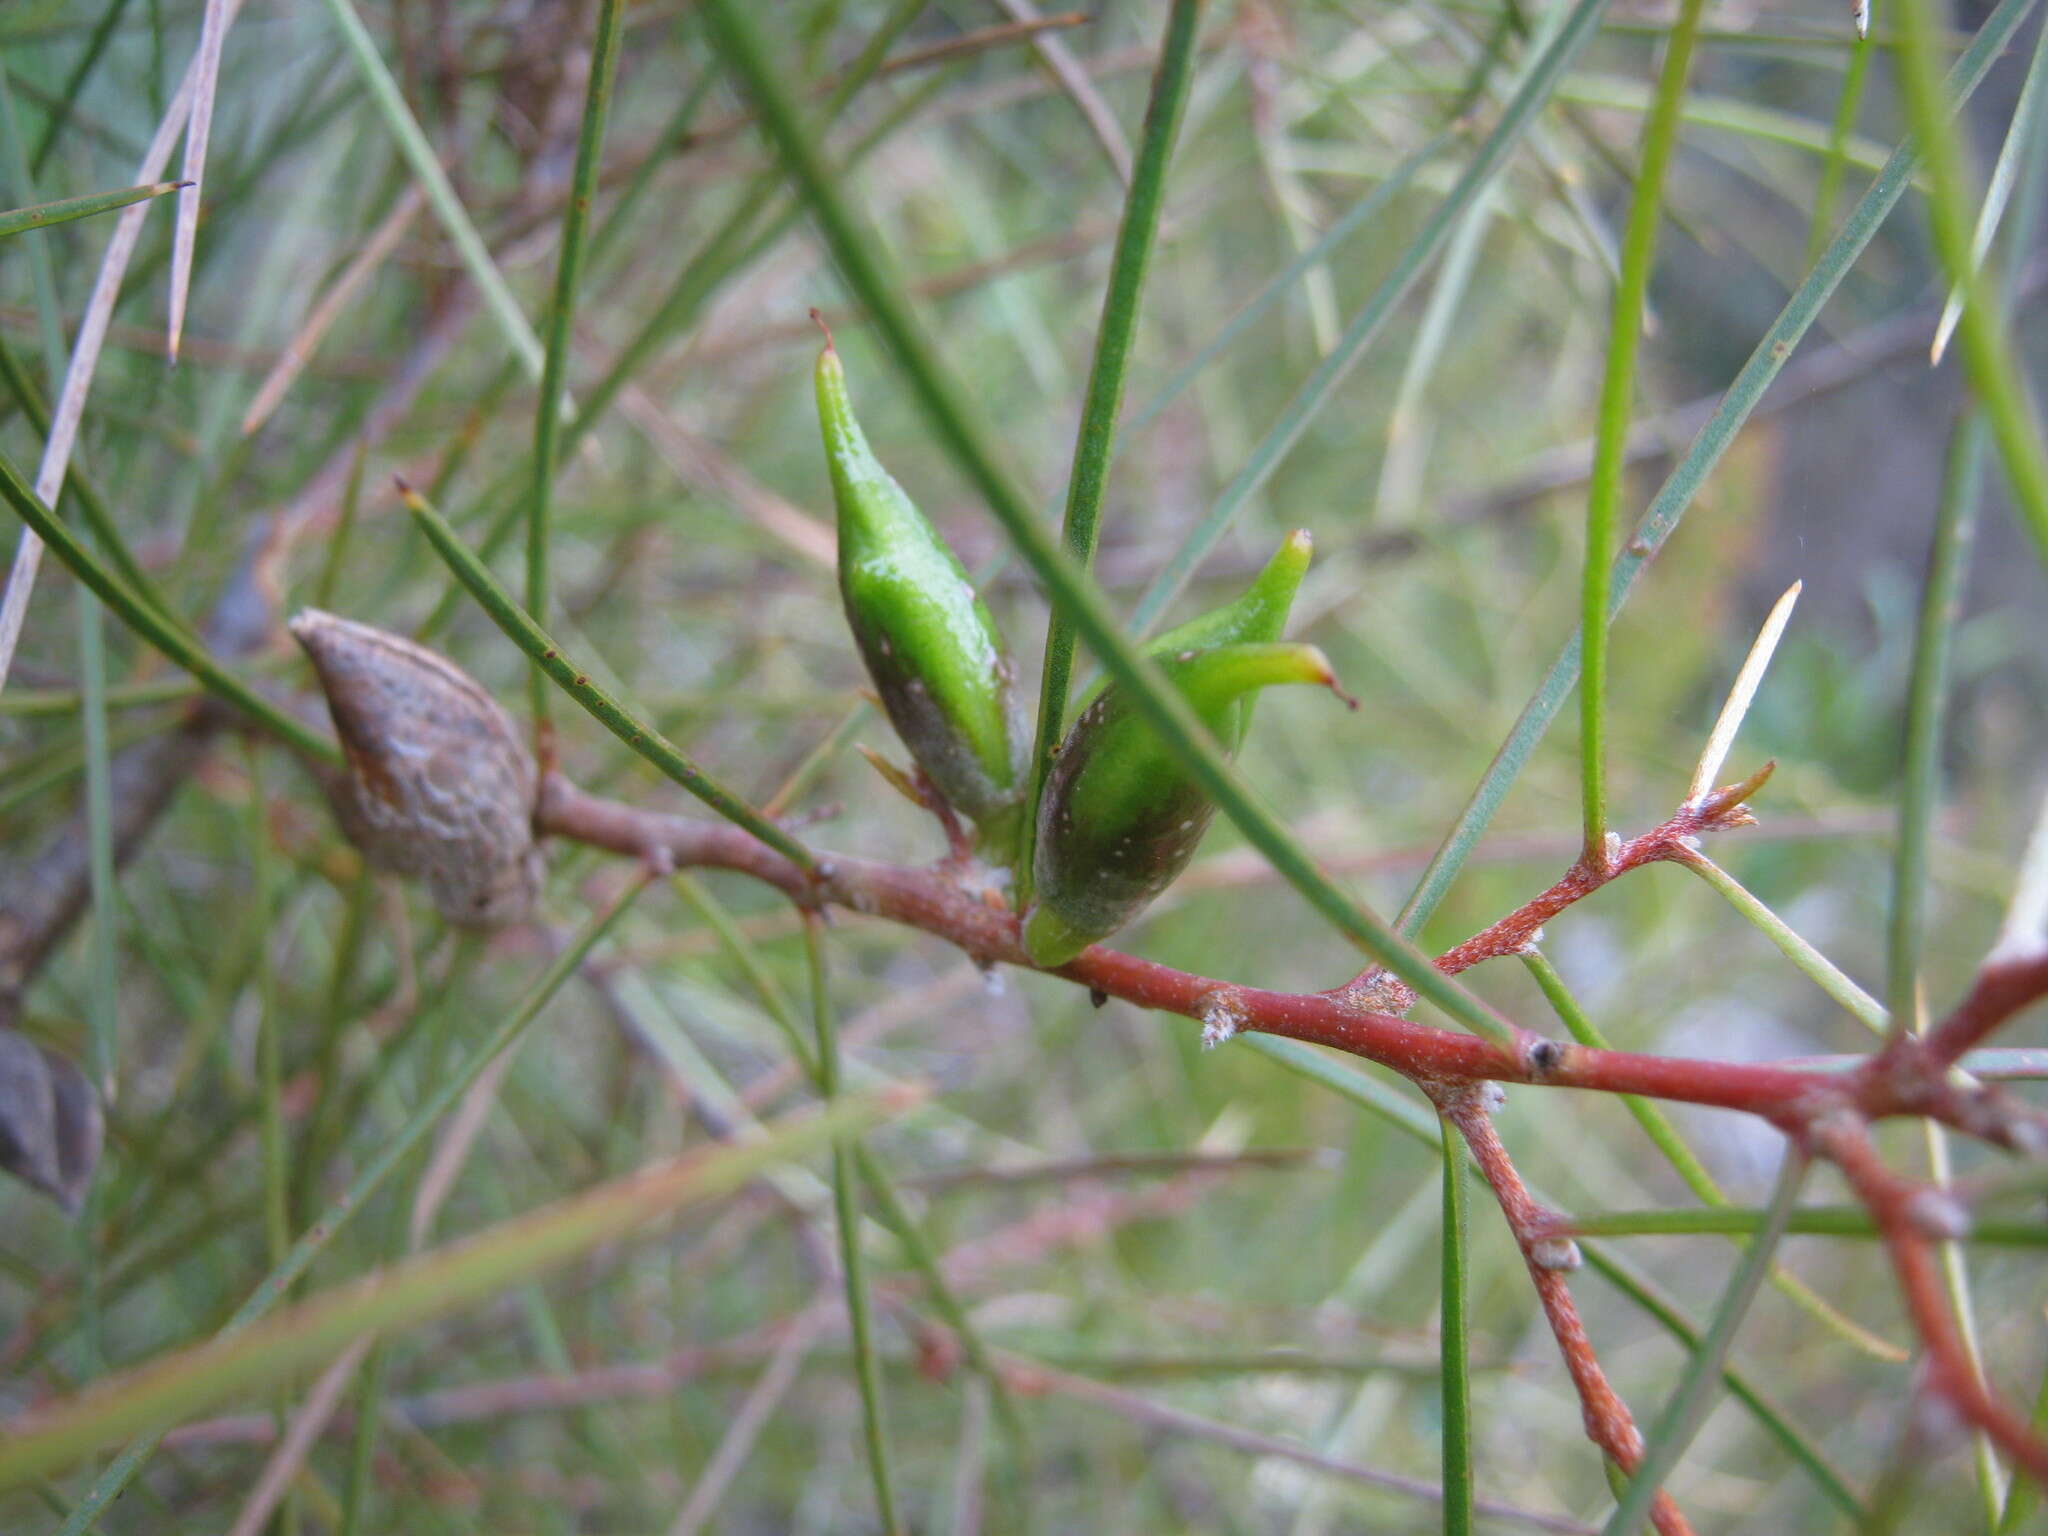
[438, 786]
[1259, 613]
[1120, 817]
[929, 642]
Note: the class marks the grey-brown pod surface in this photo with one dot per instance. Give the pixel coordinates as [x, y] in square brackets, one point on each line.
[50, 1122]
[439, 786]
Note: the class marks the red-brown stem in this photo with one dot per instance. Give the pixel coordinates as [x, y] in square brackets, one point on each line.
[1910, 1077]
[1515, 932]
[2002, 989]
[1950, 1376]
[1609, 1425]
[934, 902]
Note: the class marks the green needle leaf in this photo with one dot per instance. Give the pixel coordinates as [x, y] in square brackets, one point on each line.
[1687, 1408]
[1135, 236]
[634, 731]
[1455, 1343]
[16, 220]
[736, 35]
[151, 625]
[1772, 352]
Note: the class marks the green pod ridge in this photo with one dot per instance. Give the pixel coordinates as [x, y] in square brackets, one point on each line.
[1120, 817]
[928, 640]
[1259, 613]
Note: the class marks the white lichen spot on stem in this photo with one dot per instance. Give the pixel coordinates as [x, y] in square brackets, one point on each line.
[1559, 1253]
[1379, 990]
[1939, 1215]
[1223, 1015]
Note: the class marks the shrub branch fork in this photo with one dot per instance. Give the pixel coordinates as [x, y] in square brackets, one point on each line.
[1828, 1113]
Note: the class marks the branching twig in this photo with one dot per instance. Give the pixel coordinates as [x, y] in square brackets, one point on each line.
[1913, 1219]
[934, 902]
[1911, 1077]
[1716, 812]
[1609, 1425]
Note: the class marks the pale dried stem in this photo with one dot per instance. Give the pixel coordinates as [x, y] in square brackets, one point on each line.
[298, 352]
[305, 1430]
[738, 1441]
[1020, 1244]
[969, 1459]
[724, 346]
[452, 1150]
[1061, 64]
[870, 1028]
[1028, 1377]
[213, 33]
[697, 463]
[1742, 693]
[85, 355]
[200, 348]
[2024, 933]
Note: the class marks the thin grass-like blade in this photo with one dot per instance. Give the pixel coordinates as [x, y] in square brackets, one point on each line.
[1741, 694]
[85, 356]
[1551, 54]
[405, 1295]
[16, 221]
[735, 33]
[213, 31]
[174, 642]
[426, 168]
[1454, 1343]
[1990, 360]
[2022, 140]
[631, 729]
[1692, 1395]
[1113, 336]
[448, 1091]
[1770, 355]
[1404, 1114]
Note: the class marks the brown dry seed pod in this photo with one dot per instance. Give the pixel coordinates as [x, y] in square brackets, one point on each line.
[439, 785]
[50, 1122]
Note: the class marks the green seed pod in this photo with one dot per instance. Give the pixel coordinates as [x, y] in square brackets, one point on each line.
[1120, 817]
[929, 642]
[1259, 613]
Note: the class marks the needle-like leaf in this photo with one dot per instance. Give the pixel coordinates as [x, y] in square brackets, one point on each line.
[213, 31]
[44, 215]
[1113, 336]
[1741, 694]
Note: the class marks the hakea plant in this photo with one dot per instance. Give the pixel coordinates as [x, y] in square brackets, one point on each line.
[1085, 825]
[411, 721]
[417, 731]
